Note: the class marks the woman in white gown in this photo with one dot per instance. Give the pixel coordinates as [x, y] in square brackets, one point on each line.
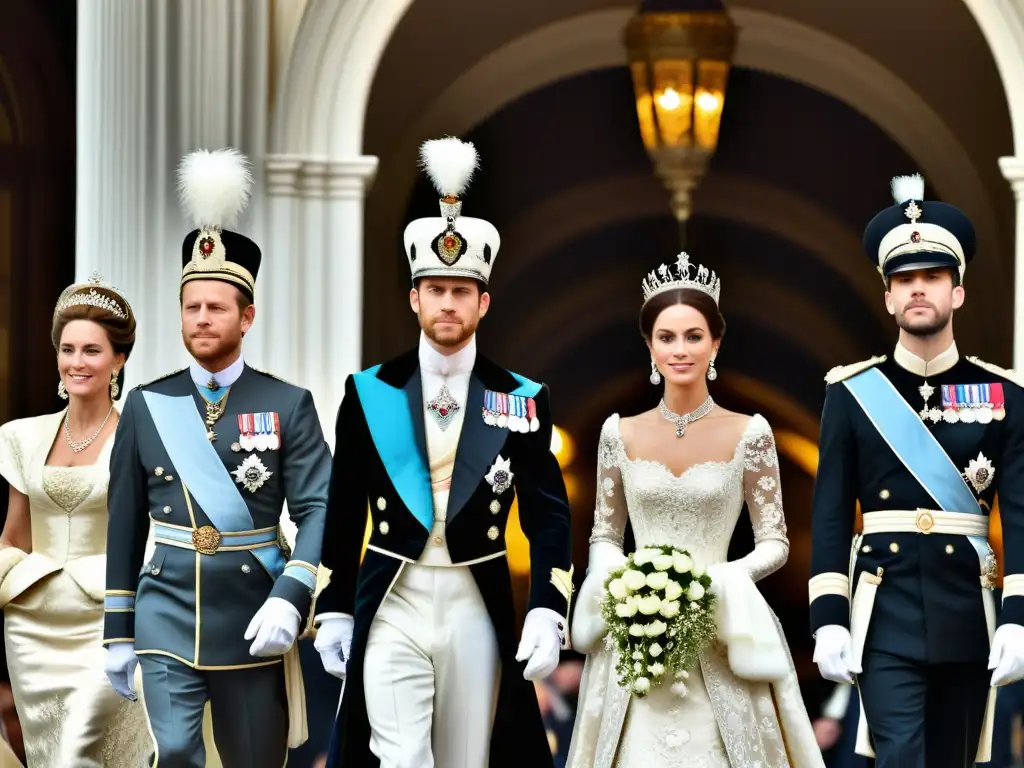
[681, 474]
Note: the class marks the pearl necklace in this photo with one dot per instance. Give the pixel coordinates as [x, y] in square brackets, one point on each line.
[80, 445]
[681, 421]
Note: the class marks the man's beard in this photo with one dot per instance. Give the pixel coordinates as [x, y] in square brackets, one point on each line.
[924, 328]
[222, 348]
[453, 335]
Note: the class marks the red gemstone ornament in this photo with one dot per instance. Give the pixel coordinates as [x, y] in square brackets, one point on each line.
[915, 237]
[206, 246]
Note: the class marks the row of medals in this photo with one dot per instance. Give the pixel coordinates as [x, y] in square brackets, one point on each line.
[980, 413]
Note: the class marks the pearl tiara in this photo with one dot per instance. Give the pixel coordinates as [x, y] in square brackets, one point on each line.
[670, 276]
[86, 294]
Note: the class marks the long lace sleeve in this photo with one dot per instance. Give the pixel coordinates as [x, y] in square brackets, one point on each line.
[763, 492]
[610, 507]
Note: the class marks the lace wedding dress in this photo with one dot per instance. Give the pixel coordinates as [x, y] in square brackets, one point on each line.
[724, 719]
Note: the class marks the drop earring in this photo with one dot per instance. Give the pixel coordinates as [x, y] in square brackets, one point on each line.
[115, 388]
[655, 374]
[712, 373]
[61, 392]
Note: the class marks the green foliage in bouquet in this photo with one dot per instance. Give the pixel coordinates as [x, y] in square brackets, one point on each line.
[660, 615]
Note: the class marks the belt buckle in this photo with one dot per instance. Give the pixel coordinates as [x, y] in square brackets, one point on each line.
[206, 540]
[925, 521]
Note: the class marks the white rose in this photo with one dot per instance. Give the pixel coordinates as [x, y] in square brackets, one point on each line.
[634, 580]
[650, 605]
[682, 563]
[673, 591]
[641, 685]
[656, 669]
[670, 608]
[617, 589]
[679, 689]
[695, 591]
[698, 569]
[654, 650]
[636, 630]
[625, 610]
[656, 628]
[657, 580]
[682, 674]
[663, 562]
[637, 656]
[638, 667]
[641, 557]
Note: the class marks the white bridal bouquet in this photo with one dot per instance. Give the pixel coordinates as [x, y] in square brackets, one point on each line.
[660, 615]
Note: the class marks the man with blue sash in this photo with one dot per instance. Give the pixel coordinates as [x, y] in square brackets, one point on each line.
[208, 456]
[924, 442]
[440, 441]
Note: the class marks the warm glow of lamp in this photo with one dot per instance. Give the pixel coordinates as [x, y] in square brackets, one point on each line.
[563, 446]
[680, 62]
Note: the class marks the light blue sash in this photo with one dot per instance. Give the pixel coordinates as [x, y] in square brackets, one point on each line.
[203, 472]
[915, 446]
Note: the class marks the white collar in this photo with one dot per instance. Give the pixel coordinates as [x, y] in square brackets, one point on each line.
[432, 361]
[201, 377]
[939, 364]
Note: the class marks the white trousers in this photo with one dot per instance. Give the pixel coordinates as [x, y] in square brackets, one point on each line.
[431, 672]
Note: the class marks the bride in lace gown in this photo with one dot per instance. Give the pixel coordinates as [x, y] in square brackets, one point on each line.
[52, 549]
[681, 474]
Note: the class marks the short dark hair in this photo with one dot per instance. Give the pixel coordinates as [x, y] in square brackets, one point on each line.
[120, 331]
[691, 297]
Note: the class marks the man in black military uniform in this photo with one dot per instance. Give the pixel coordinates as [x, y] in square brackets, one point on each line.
[441, 440]
[208, 455]
[924, 441]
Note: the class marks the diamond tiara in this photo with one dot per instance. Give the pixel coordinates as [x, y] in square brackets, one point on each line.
[86, 294]
[669, 276]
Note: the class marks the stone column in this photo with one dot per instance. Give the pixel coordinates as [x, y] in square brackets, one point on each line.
[314, 334]
[155, 81]
[1013, 170]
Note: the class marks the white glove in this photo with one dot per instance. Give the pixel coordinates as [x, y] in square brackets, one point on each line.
[275, 627]
[833, 652]
[120, 668]
[334, 643]
[543, 635]
[588, 625]
[1007, 654]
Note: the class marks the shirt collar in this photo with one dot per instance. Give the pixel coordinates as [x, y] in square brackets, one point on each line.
[943, 362]
[434, 362]
[201, 377]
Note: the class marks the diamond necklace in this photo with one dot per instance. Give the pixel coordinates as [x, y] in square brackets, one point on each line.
[681, 421]
[80, 445]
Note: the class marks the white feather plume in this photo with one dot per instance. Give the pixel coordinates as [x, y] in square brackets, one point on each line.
[906, 188]
[450, 164]
[214, 187]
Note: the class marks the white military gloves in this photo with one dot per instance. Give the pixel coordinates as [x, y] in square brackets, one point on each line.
[1006, 658]
[541, 643]
[833, 653]
[334, 643]
[274, 628]
[120, 668]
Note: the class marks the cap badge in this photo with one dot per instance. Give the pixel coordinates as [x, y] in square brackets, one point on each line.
[912, 212]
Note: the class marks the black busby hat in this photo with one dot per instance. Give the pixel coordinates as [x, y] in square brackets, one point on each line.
[918, 234]
[214, 190]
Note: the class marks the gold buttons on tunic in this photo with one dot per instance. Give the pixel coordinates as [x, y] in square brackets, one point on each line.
[245, 569]
[236, 447]
[884, 493]
[169, 478]
[158, 471]
[949, 549]
[382, 503]
[439, 540]
[894, 547]
[167, 510]
[495, 507]
[384, 527]
[866, 548]
[492, 532]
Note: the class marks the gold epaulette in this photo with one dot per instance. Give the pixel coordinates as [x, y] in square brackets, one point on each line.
[160, 378]
[843, 372]
[1006, 373]
[274, 376]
